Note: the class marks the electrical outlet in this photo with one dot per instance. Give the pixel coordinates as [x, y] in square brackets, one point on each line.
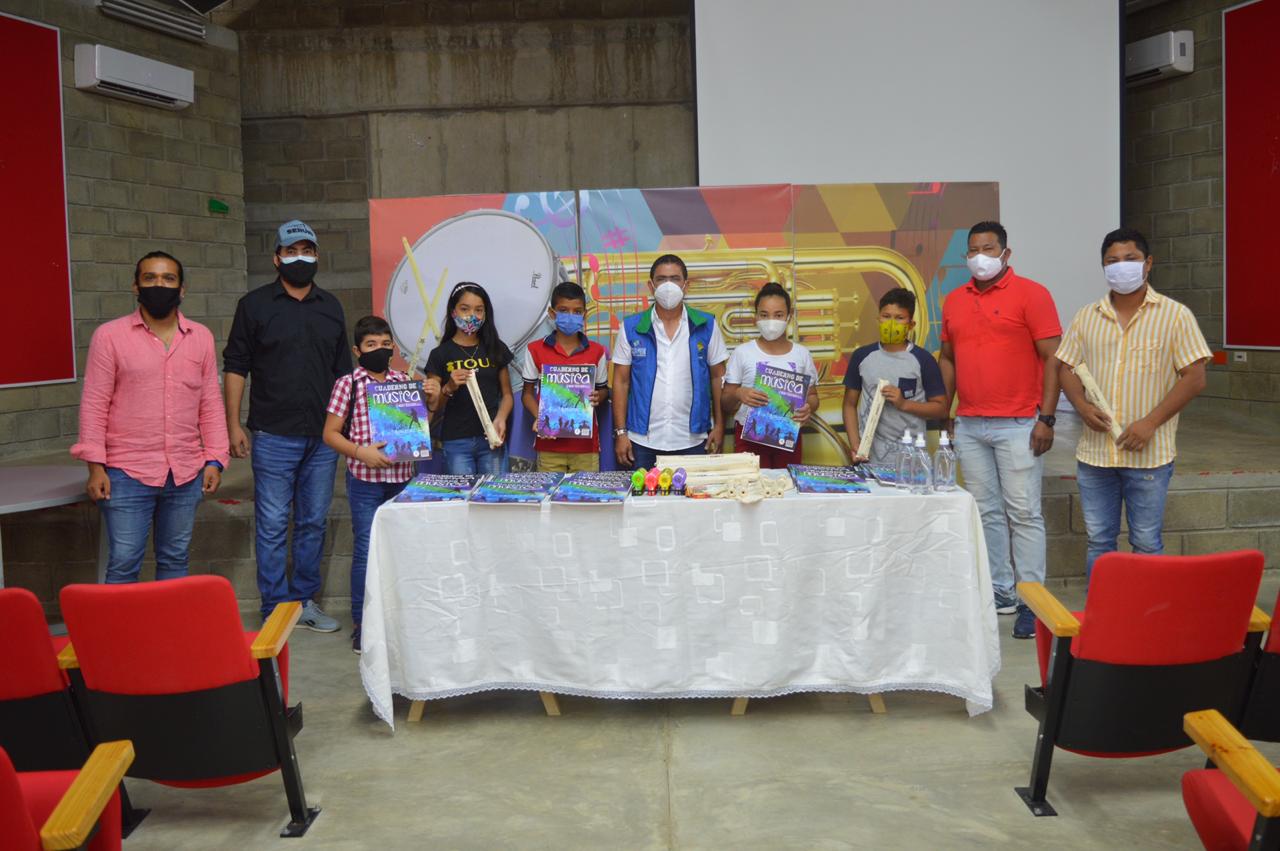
[1240, 357]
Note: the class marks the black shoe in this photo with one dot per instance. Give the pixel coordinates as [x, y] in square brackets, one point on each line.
[355, 639]
[1025, 625]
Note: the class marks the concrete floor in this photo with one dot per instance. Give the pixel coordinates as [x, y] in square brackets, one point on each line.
[809, 771]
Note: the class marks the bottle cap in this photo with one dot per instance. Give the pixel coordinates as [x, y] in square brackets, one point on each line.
[906, 435]
[944, 440]
[920, 440]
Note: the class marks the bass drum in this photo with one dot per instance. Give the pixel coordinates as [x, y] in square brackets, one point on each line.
[501, 251]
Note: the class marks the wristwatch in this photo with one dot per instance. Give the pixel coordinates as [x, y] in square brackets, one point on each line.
[1048, 419]
[619, 432]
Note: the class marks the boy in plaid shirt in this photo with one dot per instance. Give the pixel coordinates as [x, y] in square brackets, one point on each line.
[372, 478]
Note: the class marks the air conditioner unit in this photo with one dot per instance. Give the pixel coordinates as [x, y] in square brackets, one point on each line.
[117, 74]
[1165, 55]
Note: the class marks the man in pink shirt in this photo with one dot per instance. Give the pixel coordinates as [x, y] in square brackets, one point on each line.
[152, 429]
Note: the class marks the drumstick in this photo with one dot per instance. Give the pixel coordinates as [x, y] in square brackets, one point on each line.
[428, 305]
[477, 399]
[1093, 393]
[873, 419]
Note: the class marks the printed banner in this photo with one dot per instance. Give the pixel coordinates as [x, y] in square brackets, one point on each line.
[837, 248]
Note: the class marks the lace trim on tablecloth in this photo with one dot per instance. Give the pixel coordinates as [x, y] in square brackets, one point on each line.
[974, 704]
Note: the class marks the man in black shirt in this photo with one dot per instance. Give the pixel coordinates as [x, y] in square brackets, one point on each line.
[291, 337]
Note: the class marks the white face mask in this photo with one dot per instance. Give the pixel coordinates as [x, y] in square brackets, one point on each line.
[669, 295]
[771, 329]
[984, 267]
[1124, 277]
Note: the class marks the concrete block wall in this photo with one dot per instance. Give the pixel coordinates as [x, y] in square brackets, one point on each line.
[139, 178]
[346, 101]
[1174, 192]
[1205, 513]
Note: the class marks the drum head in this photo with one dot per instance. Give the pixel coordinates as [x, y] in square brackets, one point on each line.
[502, 252]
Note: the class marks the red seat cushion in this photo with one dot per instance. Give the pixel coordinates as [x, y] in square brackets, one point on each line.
[28, 799]
[1221, 815]
[168, 637]
[29, 664]
[1169, 610]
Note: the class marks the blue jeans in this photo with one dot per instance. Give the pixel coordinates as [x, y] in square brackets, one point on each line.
[364, 499]
[132, 511]
[647, 459]
[1004, 476]
[471, 455]
[1143, 493]
[290, 473]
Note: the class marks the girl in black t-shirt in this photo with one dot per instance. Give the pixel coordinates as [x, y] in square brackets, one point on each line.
[469, 344]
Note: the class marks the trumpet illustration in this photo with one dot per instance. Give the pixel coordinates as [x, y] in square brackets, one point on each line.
[830, 292]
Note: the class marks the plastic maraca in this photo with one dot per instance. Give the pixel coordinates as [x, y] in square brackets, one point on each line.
[678, 478]
[637, 482]
[664, 481]
[651, 482]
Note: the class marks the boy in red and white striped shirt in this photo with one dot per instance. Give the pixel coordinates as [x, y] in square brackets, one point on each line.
[372, 477]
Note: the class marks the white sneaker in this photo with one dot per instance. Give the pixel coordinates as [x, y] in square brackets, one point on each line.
[314, 619]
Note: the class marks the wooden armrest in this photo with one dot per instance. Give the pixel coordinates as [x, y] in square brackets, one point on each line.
[275, 632]
[72, 821]
[1255, 777]
[1259, 621]
[1052, 613]
[67, 658]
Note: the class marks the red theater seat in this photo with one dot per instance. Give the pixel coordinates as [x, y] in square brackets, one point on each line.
[169, 666]
[1261, 720]
[39, 726]
[1237, 805]
[61, 809]
[1160, 636]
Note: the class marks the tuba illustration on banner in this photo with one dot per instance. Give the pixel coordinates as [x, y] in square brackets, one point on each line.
[831, 293]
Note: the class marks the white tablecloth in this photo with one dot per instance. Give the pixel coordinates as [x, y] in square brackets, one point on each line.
[672, 597]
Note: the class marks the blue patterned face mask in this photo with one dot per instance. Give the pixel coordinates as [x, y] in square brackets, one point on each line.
[569, 323]
[468, 324]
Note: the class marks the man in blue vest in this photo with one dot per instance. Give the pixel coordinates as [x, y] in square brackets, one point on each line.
[668, 367]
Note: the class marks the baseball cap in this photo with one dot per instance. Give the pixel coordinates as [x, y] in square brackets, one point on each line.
[294, 231]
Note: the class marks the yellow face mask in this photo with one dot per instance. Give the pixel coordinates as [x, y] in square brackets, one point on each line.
[892, 332]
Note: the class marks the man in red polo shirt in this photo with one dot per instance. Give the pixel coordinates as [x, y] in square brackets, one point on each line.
[999, 333]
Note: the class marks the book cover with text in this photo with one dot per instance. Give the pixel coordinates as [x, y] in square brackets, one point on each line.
[587, 487]
[514, 488]
[564, 400]
[430, 487]
[398, 415]
[771, 424]
[811, 479]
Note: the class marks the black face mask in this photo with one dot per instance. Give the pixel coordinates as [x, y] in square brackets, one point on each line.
[377, 360]
[299, 272]
[158, 301]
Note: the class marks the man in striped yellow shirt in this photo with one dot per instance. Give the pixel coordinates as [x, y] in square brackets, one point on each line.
[1147, 355]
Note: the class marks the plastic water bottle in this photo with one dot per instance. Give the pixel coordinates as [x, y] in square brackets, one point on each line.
[902, 467]
[921, 467]
[944, 466]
